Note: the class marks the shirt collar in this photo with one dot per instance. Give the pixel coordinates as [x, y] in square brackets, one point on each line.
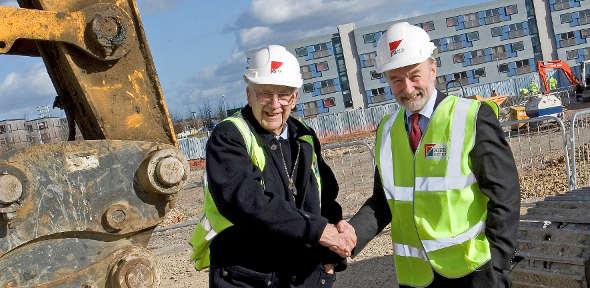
[285, 133]
[428, 109]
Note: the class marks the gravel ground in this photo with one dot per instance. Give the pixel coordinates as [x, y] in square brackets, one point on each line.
[541, 175]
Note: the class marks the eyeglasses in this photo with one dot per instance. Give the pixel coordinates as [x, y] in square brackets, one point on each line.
[266, 97]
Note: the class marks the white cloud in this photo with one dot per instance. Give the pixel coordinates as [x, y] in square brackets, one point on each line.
[21, 92]
[252, 36]
[8, 3]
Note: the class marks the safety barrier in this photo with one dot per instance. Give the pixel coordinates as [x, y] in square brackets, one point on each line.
[350, 122]
[580, 139]
[193, 147]
[540, 149]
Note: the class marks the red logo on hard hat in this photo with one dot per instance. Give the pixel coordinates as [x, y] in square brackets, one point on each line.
[274, 65]
[393, 47]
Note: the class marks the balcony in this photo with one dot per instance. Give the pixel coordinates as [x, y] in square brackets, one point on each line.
[379, 98]
[567, 42]
[471, 23]
[492, 19]
[516, 33]
[455, 46]
[320, 54]
[584, 20]
[499, 56]
[478, 60]
[523, 70]
[327, 90]
[306, 75]
[369, 63]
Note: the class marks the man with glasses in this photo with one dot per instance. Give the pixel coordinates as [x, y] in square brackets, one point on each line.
[271, 217]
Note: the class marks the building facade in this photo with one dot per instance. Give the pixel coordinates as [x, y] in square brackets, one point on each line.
[19, 133]
[479, 44]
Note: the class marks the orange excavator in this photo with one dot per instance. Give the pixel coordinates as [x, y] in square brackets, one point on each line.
[555, 64]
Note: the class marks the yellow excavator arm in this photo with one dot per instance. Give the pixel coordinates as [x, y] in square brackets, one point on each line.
[80, 213]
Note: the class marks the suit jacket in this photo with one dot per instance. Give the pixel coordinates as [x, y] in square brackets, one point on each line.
[497, 177]
[274, 230]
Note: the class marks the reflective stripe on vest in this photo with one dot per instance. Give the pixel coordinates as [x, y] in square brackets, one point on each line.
[212, 222]
[426, 233]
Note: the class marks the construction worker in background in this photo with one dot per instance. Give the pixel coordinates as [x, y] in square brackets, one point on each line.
[533, 88]
[270, 199]
[445, 177]
[552, 83]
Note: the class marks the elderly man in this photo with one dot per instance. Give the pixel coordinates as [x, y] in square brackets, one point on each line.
[445, 177]
[271, 216]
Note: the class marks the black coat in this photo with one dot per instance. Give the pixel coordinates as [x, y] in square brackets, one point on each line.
[494, 168]
[274, 231]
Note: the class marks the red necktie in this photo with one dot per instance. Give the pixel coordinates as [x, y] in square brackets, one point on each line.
[415, 132]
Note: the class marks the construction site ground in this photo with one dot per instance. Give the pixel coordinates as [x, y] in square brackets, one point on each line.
[353, 166]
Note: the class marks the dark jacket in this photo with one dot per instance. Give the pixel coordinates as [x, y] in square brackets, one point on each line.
[274, 231]
[494, 168]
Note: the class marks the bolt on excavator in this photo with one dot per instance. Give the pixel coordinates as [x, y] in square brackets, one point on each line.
[80, 213]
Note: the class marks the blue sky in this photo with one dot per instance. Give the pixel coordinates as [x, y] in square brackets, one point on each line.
[198, 45]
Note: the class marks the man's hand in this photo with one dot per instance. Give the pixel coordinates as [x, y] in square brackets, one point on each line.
[336, 241]
[347, 232]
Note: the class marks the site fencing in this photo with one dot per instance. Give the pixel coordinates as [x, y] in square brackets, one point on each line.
[552, 156]
[580, 147]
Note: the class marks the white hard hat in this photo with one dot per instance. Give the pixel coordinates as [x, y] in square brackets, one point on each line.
[274, 65]
[401, 45]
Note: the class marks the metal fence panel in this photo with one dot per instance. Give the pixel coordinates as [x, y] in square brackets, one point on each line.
[539, 146]
[193, 147]
[581, 148]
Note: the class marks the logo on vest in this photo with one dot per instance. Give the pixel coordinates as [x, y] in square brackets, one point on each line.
[435, 151]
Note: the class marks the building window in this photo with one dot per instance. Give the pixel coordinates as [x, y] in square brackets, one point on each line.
[458, 58]
[321, 66]
[369, 38]
[584, 33]
[523, 67]
[329, 102]
[378, 95]
[511, 10]
[478, 57]
[2, 129]
[455, 43]
[572, 54]
[461, 77]
[308, 88]
[496, 31]
[452, 21]
[567, 39]
[561, 5]
[327, 87]
[438, 64]
[566, 18]
[441, 82]
[503, 68]
[492, 16]
[301, 51]
[375, 75]
[368, 59]
[499, 52]
[584, 17]
[321, 50]
[427, 26]
[42, 125]
[480, 72]
[473, 36]
[515, 30]
[517, 46]
[29, 127]
[310, 108]
[471, 20]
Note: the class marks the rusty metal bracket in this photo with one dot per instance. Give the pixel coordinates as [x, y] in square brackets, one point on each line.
[103, 31]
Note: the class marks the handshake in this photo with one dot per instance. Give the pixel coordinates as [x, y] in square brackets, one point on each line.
[340, 238]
